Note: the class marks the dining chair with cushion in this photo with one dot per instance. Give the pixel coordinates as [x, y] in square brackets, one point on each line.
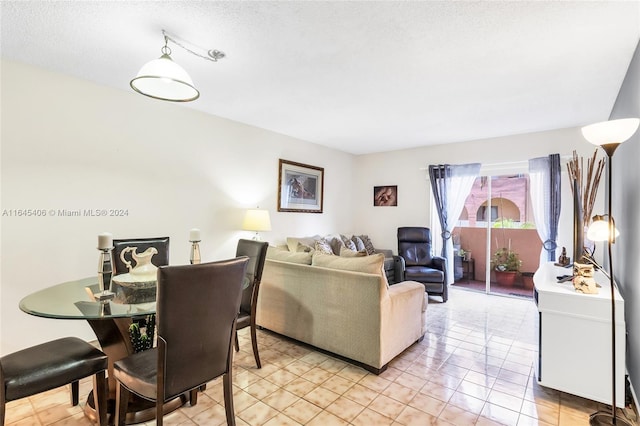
[257, 253]
[196, 310]
[53, 364]
[418, 263]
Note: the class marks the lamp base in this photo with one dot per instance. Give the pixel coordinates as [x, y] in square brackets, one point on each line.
[602, 418]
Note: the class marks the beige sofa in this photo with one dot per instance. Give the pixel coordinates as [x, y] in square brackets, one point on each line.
[341, 305]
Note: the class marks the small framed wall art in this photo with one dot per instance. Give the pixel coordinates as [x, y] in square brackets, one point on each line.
[385, 196]
[300, 187]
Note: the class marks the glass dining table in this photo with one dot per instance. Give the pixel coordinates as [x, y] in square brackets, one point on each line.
[110, 321]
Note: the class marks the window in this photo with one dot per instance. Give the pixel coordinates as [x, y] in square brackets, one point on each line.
[482, 214]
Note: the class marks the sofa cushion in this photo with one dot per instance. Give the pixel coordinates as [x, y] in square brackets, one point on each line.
[423, 274]
[367, 264]
[345, 252]
[275, 253]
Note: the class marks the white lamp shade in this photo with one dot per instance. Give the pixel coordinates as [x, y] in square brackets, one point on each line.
[599, 230]
[613, 131]
[256, 220]
[164, 79]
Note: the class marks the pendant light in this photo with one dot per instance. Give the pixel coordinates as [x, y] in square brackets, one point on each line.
[164, 79]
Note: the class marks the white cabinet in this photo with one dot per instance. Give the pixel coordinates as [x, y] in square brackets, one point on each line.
[574, 341]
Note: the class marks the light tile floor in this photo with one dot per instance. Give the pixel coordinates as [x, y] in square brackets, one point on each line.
[473, 367]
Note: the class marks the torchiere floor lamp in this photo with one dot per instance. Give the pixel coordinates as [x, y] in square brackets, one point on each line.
[609, 135]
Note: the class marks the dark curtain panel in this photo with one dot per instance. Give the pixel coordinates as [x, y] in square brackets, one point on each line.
[437, 176]
[554, 205]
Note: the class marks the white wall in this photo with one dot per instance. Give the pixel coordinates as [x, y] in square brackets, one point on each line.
[626, 205]
[70, 144]
[407, 169]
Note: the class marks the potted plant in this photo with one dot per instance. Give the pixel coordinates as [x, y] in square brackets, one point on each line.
[466, 254]
[506, 265]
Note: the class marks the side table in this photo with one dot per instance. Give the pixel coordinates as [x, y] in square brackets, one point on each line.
[469, 269]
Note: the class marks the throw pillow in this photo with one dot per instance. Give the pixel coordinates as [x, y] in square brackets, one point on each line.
[368, 264]
[368, 245]
[323, 246]
[358, 242]
[292, 242]
[345, 252]
[304, 248]
[275, 253]
[348, 243]
[336, 245]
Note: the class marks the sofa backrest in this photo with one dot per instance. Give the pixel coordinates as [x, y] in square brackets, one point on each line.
[372, 264]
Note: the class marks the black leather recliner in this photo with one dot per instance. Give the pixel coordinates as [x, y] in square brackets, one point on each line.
[417, 262]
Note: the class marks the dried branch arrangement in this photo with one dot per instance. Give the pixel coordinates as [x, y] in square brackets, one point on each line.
[588, 186]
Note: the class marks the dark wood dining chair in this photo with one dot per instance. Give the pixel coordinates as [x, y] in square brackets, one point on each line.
[196, 310]
[257, 253]
[53, 364]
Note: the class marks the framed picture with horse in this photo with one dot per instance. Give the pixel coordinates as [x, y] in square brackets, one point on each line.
[300, 187]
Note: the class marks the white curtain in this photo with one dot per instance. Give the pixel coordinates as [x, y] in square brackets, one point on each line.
[451, 186]
[545, 197]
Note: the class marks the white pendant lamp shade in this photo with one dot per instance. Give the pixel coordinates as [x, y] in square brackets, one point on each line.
[613, 131]
[164, 79]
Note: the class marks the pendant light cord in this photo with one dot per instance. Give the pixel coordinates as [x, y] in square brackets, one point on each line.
[212, 55]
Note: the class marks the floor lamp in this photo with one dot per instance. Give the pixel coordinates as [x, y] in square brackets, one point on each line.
[609, 135]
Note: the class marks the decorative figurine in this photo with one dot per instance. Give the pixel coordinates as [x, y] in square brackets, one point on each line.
[563, 260]
[583, 280]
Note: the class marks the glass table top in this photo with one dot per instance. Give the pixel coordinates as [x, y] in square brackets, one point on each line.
[74, 300]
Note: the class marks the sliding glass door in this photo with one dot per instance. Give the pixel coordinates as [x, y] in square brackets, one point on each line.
[497, 246]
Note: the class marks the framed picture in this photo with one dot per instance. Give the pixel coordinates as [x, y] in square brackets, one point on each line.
[385, 196]
[300, 187]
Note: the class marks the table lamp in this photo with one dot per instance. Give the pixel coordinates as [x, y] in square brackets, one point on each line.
[256, 220]
[609, 135]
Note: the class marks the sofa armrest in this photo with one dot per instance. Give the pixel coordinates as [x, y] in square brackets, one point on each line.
[403, 317]
[398, 268]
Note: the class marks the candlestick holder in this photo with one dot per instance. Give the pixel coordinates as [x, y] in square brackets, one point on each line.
[194, 258]
[105, 272]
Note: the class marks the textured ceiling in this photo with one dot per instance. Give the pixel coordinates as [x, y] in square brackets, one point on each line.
[356, 76]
